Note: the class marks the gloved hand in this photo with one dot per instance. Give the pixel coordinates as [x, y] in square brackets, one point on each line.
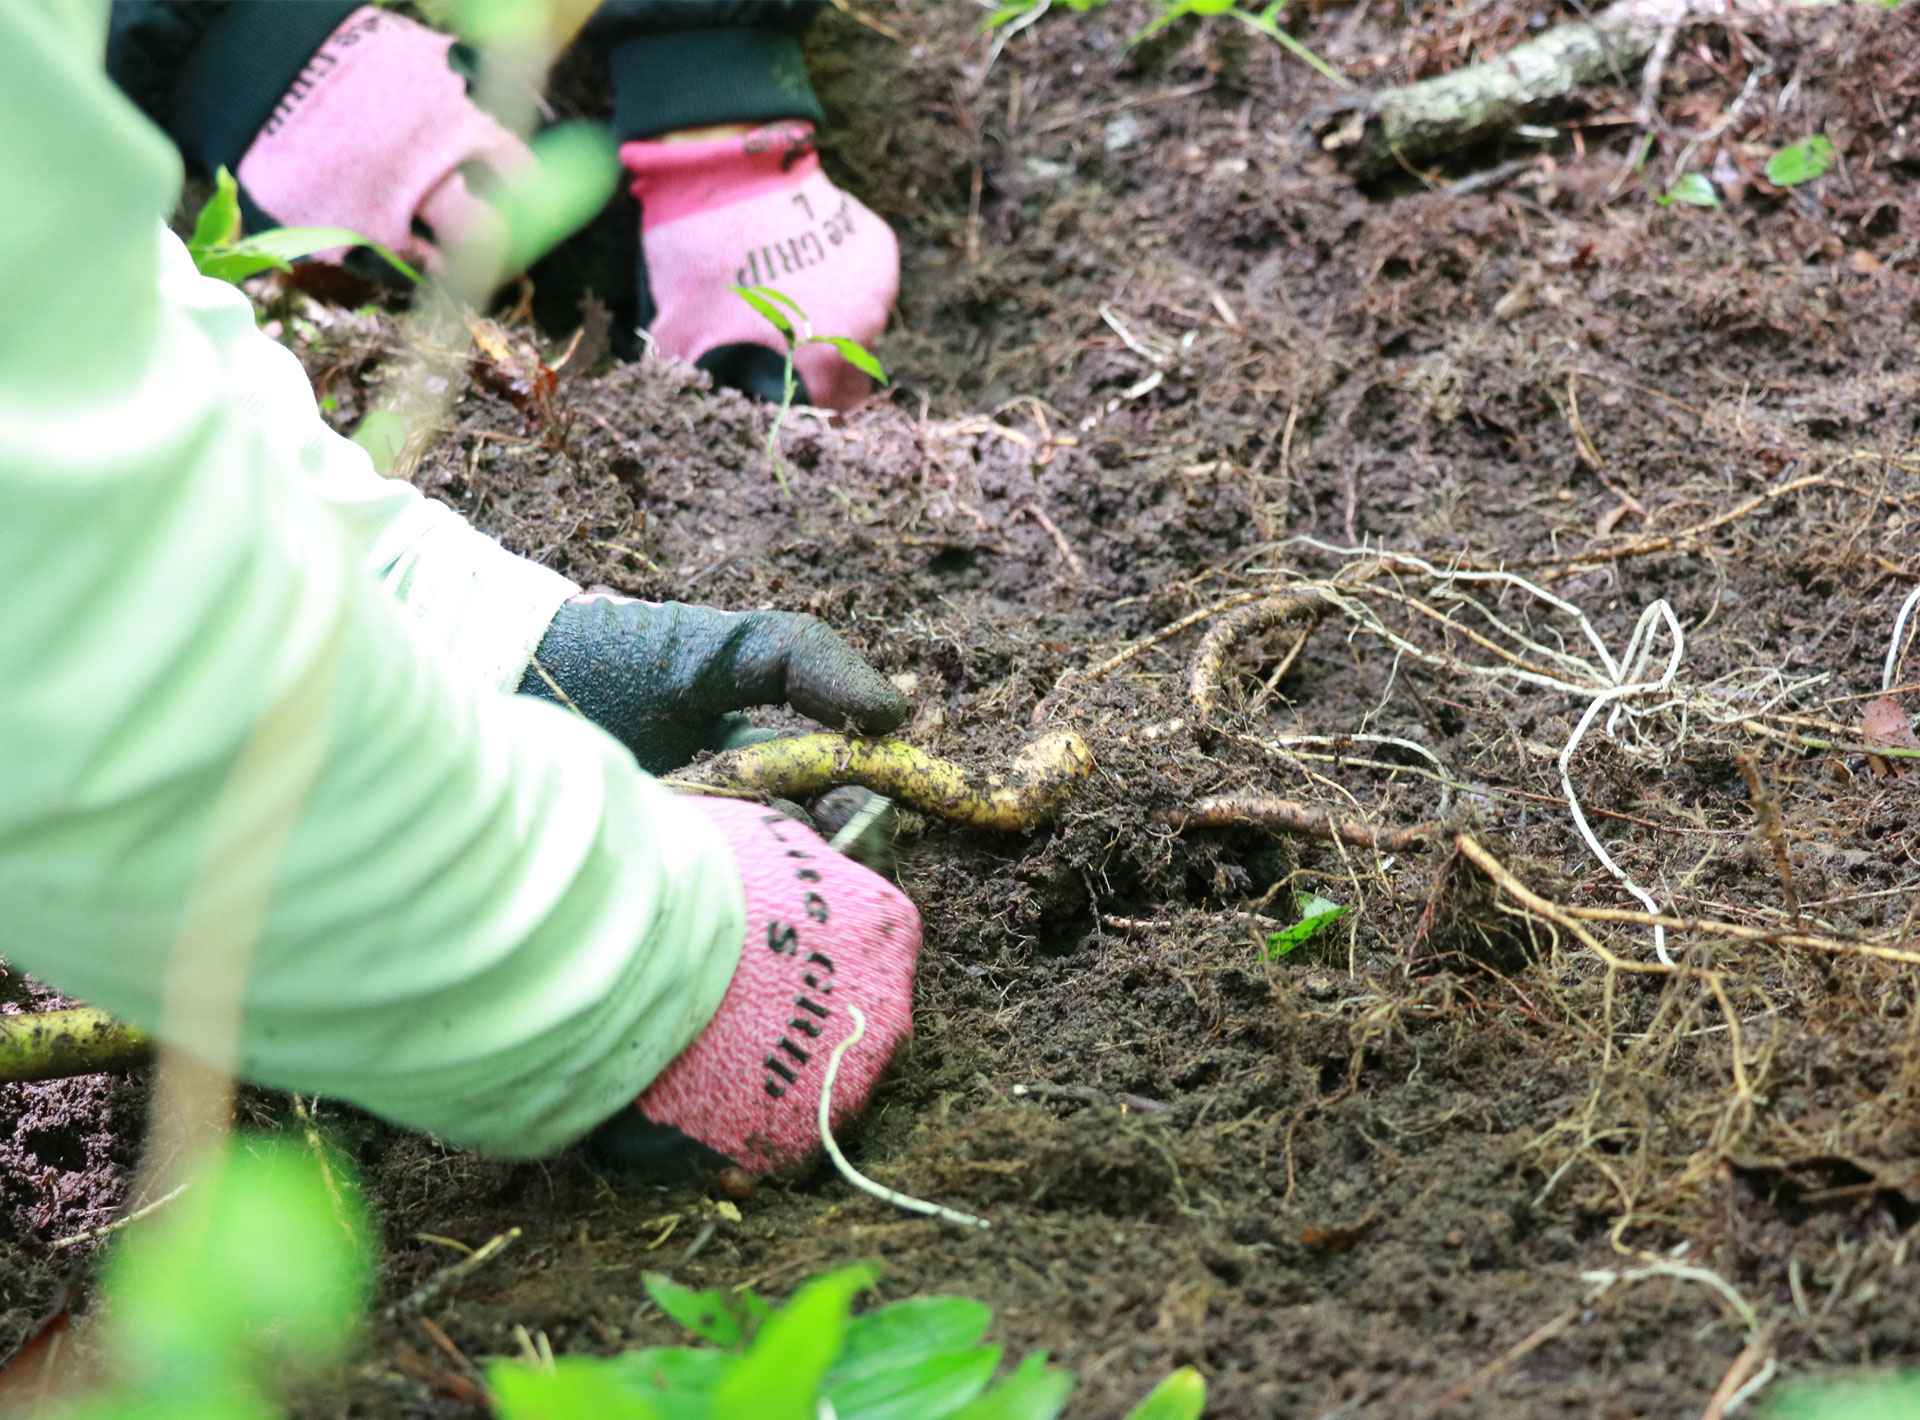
[755, 210]
[666, 679]
[823, 933]
[377, 135]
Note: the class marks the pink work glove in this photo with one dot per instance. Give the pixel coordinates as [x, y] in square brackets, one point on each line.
[823, 934]
[374, 136]
[755, 210]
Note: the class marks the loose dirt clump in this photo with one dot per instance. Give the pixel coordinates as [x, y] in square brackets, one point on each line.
[1159, 359]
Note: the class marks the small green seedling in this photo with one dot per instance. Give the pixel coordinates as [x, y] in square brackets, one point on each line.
[918, 1359]
[1265, 20]
[1694, 190]
[1012, 11]
[786, 316]
[1888, 1396]
[1801, 162]
[221, 249]
[1316, 915]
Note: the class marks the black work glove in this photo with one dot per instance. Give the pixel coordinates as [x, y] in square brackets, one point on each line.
[667, 680]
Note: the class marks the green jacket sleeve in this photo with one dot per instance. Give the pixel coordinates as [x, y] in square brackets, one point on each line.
[468, 595]
[466, 911]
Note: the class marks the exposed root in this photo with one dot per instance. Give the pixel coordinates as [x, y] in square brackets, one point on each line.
[1040, 778]
[1573, 919]
[1204, 680]
[1285, 816]
[51, 1045]
[1649, 707]
[853, 1175]
[1112, 663]
[1768, 823]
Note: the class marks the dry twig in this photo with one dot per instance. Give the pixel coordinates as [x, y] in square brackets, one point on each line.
[454, 1274]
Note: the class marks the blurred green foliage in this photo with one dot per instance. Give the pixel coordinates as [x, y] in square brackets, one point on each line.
[220, 247]
[258, 1273]
[918, 1359]
[255, 1273]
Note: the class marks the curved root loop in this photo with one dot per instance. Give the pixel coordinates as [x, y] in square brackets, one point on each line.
[1206, 680]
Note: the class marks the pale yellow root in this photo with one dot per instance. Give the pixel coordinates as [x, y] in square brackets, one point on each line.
[1040, 778]
[50, 1045]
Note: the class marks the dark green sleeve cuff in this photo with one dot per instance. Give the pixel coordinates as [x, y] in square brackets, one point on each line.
[230, 83]
[693, 78]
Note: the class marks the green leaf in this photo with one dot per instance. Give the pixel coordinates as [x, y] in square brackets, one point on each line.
[1009, 12]
[912, 1360]
[292, 243]
[1871, 1397]
[901, 1333]
[1316, 915]
[1694, 190]
[705, 1314]
[1179, 1397]
[1801, 162]
[756, 296]
[218, 224]
[678, 1381]
[779, 1378]
[927, 1388]
[1035, 1391]
[857, 355]
[1265, 25]
[235, 264]
[577, 1388]
[774, 293]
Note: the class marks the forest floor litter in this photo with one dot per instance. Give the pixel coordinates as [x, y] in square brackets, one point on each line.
[1517, 567]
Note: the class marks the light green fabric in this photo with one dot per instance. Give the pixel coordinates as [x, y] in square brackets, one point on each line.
[476, 917]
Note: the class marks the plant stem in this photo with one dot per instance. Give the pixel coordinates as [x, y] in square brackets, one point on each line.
[787, 387]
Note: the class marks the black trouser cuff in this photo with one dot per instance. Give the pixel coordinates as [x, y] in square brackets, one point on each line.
[237, 74]
[696, 78]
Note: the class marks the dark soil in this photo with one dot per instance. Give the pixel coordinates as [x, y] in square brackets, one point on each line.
[1147, 340]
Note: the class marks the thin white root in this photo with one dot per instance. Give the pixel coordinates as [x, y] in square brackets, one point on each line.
[1605, 1280]
[118, 1223]
[1895, 650]
[1639, 652]
[1626, 687]
[853, 1175]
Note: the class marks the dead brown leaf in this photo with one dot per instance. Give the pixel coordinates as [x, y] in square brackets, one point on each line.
[1884, 722]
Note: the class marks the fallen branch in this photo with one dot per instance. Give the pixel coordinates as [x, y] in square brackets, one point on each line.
[51, 1045]
[1285, 816]
[1377, 132]
[1040, 778]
